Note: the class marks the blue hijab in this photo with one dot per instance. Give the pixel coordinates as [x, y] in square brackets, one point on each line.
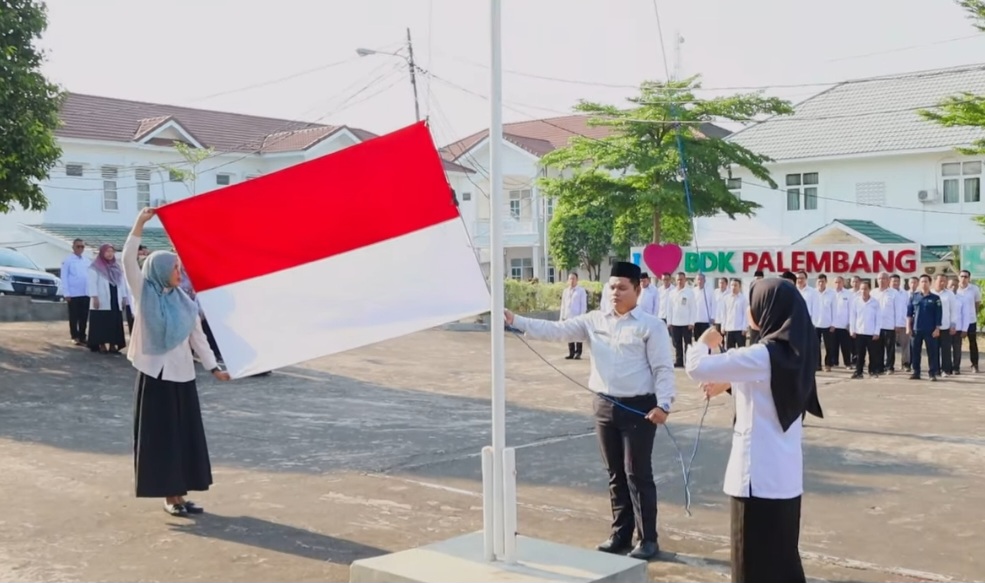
[168, 315]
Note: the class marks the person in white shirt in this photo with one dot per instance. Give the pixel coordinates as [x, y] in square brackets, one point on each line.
[856, 284]
[108, 294]
[663, 292]
[840, 320]
[773, 387]
[649, 297]
[574, 302]
[630, 368]
[974, 298]
[681, 315]
[75, 279]
[171, 456]
[902, 301]
[950, 318]
[864, 326]
[733, 314]
[824, 322]
[890, 319]
[904, 338]
[705, 304]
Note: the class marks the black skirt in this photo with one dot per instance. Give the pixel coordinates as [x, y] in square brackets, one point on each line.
[766, 541]
[106, 326]
[171, 457]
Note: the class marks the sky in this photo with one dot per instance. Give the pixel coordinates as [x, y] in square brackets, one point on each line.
[296, 59]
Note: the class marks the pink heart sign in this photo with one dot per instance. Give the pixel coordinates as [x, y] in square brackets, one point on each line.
[664, 258]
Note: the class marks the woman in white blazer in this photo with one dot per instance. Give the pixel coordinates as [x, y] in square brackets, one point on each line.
[108, 293]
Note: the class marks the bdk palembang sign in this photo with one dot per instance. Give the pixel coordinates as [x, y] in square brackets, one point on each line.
[836, 259]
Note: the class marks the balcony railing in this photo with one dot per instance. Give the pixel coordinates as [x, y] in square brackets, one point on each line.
[516, 233]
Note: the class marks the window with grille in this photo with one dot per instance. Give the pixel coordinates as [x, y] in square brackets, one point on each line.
[520, 204]
[73, 170]
[111, 201]
[143, 188]
[522, 268]
[175, 176]
[962, 180]
[802, 191]
[223, 179]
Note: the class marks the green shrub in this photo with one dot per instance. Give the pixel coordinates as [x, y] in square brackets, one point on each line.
[523, 297]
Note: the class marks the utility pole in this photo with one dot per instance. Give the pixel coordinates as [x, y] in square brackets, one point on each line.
[413, 75]
[678, 41]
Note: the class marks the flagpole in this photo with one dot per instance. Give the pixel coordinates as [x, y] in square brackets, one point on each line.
[497, 280]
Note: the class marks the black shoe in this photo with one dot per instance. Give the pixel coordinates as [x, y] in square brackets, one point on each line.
[192, 508]
[914, 377]
[858, 376]
[569, 357]
[577, 357]
[614, 546]
[175, 509]
[645, 551]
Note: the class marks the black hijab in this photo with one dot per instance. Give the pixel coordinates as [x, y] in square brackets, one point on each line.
[786, 329]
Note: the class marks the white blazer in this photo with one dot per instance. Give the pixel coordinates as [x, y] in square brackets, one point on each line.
[97, 286]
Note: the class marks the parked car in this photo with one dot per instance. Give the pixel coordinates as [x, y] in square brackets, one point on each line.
[19, 276]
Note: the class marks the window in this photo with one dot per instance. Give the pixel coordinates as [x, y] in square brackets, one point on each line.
[174, 176]
[111, 202]
[734, 183]
[522, 268]
[143, 188]
[551, 274]
[802, 187]
[73, 170]
[519, 203]
[549, 208]
[223, 179]
[466, 196]
[962, 177]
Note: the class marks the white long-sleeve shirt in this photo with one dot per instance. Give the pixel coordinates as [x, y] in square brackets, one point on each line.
[649, 300]
[765, 461]
[842, 306]
[177, 364]
[812, 299]
[706, 305]
[902, 304]
[865, 316]
[825, 315]
[733, 312]
[889, 315]
[966, 311]
[75, 277]
[950, 309]
[574, 302]
[681, 307]
[662, 294]
[631, 354]
[97, 287]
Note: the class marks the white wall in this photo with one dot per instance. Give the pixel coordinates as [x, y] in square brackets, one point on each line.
[901, 176]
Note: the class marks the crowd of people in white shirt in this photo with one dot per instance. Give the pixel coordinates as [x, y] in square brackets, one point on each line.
[857, 323]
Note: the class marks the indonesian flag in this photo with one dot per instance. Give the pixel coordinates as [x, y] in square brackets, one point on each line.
[349, 249]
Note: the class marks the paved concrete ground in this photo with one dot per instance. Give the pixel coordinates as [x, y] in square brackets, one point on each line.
[376, 450]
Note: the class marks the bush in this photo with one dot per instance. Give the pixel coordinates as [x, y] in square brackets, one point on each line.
[524, 297]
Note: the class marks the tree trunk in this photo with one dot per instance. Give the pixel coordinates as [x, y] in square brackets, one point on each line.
[656, 225]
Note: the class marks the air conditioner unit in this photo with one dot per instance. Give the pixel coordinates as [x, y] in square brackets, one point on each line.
[926, 196]
[158, 202]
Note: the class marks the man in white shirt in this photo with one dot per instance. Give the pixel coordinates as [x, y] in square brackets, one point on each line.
[630, 368]
[950, 317]
[904, 338]
[663, 292]
[824, 322]
[856, 284]
[902, 301]
[890, 318]
[75, 277]
[840, 319]
[974, 298]
[734, 308]
[706, 305]
[681, 315]
[574, 302]
[864, 327]
[649, 297]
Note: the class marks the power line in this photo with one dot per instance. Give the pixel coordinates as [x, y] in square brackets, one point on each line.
[906, 48]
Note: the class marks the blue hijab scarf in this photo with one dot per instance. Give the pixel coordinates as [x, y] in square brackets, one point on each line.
[168, 315]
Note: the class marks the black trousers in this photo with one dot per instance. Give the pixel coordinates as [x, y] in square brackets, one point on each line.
[681, 336]
[946, 344]
[865, 344]
[766, 541]
[917, 342]
[574, 348]
[956, 348]
[626, 443]
[700, 328]
[843, 339]
[826, 337]
[753, 336]
[885, 351]
[972, 344]
[78, 317]
[734, 339]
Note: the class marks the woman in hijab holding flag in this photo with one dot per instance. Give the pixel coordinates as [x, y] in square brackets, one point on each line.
[171, 456]
[107, 290]
[773, 385]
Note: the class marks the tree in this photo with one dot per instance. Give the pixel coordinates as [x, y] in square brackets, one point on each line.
[637, 169]
[580, 235]
[193, 157]
[29, 108]
[964, 109]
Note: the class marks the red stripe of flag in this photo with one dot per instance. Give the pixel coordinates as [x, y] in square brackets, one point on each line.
[368, 193]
